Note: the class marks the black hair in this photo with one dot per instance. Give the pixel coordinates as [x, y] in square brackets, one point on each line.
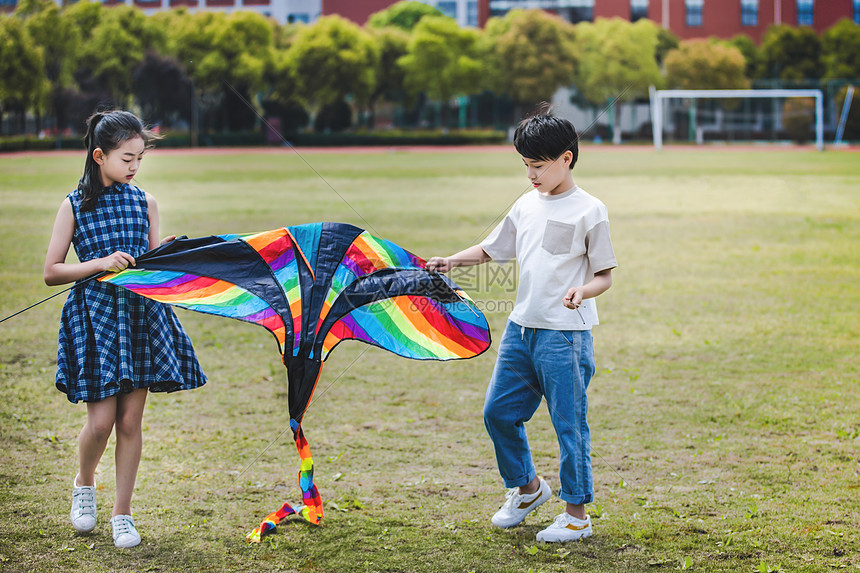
[544, 136]
[107, 130]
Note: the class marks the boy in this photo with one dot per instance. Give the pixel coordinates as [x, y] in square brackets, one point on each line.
[559, 235]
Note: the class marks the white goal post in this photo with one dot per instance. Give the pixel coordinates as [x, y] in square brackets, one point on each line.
[657, 97]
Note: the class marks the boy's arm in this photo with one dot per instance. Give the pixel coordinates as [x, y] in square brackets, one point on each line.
[596, 286]
[474, 255]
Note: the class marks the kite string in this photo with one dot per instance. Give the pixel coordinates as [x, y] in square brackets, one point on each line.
[296, 151]
[78, 283]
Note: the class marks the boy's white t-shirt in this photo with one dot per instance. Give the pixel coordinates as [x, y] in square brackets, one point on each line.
[559, 241]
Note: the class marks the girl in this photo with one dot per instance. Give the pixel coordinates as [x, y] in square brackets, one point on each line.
[113, 345]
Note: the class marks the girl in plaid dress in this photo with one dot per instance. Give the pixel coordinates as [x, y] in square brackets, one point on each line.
[114, 345]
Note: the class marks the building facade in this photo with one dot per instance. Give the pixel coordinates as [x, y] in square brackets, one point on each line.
[685, 18]
[466, 12]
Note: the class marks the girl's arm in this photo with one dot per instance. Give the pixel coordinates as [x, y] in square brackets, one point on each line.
[152, 209]
[595, 287]
[57, 271]
[474, 255]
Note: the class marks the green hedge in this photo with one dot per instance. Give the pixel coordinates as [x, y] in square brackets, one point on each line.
[254, 138]
[33, 143]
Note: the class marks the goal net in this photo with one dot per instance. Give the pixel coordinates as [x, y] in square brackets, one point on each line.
[767, 115]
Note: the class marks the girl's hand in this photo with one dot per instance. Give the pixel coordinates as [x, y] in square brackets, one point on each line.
[116, 262]
[439, 264]
[573, 299]
[167, 239]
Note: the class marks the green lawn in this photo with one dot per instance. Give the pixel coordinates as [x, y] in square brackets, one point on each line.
[725, 414]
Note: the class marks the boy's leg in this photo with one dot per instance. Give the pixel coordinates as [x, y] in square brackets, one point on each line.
[512, 398]
[565, 367]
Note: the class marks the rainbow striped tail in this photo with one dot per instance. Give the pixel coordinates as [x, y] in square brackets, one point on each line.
[312, 510]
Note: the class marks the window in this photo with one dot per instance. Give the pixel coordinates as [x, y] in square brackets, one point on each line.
[805, 12]
[857, 11]
[571, 10]
[448, 8]
[472, 13]
[298, 17]
[749, 12]
[639, 9]
[695, 12]
[576, 10]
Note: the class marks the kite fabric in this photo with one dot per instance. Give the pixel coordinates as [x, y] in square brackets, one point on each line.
[313, 286]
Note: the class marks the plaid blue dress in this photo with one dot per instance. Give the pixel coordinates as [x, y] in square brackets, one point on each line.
[113, 340]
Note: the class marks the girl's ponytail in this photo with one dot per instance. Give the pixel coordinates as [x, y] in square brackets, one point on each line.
[91, 182]
[107, 130]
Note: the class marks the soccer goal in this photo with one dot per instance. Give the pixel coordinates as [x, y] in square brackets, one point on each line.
[747, 115]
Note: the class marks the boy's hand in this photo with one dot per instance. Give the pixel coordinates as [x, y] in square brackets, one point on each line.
[167, 239]
[573, 299]
[439, 264]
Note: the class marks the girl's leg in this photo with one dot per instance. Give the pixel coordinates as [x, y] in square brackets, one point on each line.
[129, 442]
[93, 438]
[512, 398]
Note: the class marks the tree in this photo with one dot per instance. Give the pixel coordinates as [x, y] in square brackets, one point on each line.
[161, 88]
[22, 68]
[240, 53]
[391, 44]
[617, 62]
[229, 58]
[791, 54]
[703, 64]
[666, 42]
[751, 53]
[59, 39]
[442, 60]
[840, 51]
[404, 15]
[330, 59]
[114, 48]
[530, 54]
[706, 65]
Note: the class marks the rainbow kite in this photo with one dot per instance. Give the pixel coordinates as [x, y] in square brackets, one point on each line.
[313, 286]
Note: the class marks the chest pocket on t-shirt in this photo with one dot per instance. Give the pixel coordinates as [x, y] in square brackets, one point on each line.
[558, 237]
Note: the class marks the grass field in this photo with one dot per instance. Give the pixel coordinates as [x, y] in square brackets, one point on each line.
[725, 414]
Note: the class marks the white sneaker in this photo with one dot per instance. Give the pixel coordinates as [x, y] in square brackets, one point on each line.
[83, 507]
[124, 533]
[518, 506]
[566, 528]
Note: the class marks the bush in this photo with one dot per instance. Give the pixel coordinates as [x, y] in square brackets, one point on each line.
[798, 114]
[257, 138]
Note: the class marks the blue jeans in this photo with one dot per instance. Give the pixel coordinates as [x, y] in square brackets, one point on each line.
[534, 363]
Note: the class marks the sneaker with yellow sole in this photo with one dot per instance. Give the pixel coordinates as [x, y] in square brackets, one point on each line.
[566, 528]
[518, 505]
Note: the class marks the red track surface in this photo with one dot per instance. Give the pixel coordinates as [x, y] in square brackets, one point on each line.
[444, 149]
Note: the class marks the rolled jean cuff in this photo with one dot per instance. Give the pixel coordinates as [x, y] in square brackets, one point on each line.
[576, 499]
[509, 483]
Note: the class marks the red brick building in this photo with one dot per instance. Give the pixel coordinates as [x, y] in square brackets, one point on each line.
[685, 18]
